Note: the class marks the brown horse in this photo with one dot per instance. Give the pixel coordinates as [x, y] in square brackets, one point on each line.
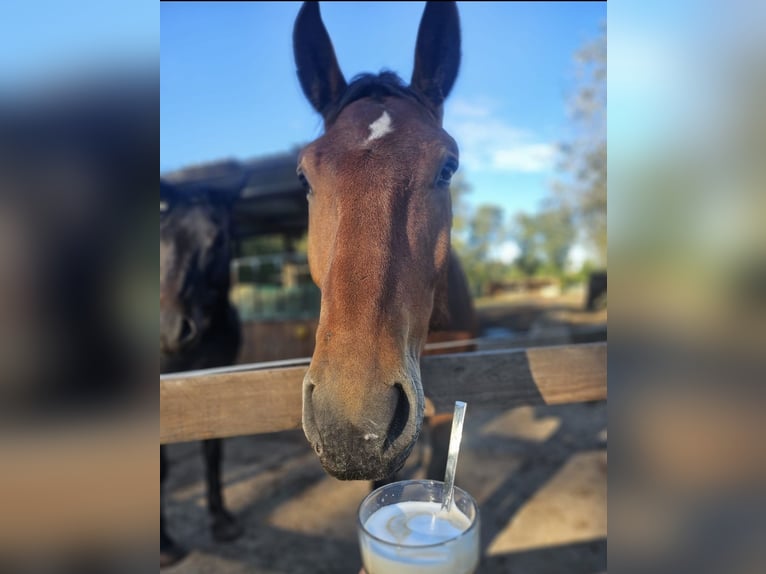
[379, 242]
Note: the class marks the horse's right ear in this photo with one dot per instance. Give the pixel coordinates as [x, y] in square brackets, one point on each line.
[318, 70]
[437, 52]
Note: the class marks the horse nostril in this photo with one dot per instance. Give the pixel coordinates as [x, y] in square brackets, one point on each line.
[401, 416]
[309, 425]
[188, 331]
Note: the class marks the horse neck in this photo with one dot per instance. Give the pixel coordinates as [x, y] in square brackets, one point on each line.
[453, 305]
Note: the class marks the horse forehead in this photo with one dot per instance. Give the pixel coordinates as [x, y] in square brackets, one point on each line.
[380, 127]
[356, 122]
[191, 228]
[167, 256]
[366, 125]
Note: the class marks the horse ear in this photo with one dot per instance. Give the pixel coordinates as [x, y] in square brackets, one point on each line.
[437, 52]
[168, 194]
[318, 70]
[166, 190]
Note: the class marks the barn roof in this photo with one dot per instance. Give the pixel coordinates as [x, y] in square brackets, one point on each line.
[269, 198]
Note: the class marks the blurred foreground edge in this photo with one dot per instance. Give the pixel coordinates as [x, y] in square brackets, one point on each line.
[78, 296]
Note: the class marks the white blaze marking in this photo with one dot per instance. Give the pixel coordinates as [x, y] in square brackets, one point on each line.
[369, 436]
[380, 127]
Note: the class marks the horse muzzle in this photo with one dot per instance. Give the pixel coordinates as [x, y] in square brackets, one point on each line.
[367, 436]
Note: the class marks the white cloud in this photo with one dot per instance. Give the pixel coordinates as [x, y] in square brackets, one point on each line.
[525, 157]
[465, 109]
[488, 143]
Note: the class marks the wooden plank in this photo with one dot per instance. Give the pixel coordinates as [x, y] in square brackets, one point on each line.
[230, 404]
[261, 401]
[509, 378]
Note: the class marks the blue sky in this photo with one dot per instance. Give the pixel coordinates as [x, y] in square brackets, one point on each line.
[228, 84]
[47, 40]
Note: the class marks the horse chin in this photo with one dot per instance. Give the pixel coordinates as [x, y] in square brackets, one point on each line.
[364, 464]
[171, 364]
[178, 361]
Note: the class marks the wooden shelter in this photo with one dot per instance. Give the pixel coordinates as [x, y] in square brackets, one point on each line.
[268, 197]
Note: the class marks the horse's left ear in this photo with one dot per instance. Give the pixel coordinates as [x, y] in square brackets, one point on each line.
[437, 53]
[167, 191]
[168, 196]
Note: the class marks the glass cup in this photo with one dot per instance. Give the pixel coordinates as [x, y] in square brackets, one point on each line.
[402, 530]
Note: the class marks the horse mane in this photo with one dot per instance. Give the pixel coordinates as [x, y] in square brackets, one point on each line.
[376, 86]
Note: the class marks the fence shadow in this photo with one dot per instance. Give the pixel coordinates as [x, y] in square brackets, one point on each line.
[574, 435]
[578, 558]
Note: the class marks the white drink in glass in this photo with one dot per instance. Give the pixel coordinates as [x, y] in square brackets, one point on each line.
[403, 530]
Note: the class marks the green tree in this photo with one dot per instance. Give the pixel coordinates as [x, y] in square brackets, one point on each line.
[583, 159]
[461, 211]
[485, 230]
[524, 233]
[557, 233]
[474, 234]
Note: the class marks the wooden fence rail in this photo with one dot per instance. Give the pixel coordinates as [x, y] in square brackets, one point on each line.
[260, 401]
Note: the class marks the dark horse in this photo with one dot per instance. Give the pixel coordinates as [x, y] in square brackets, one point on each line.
[198, 326]
[379, 242]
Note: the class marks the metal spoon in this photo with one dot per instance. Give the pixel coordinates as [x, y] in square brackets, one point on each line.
[454, 448]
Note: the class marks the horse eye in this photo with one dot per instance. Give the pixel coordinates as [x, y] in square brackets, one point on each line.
[305, 183]
[446, 173]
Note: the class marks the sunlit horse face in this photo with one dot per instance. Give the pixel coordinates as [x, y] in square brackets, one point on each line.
[194, 278]
[379, 227]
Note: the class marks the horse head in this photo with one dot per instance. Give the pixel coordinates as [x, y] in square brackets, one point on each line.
[380, 216]
[195, 251]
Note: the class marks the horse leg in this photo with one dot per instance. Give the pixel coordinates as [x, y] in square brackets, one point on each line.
[170, 552]
[224, 526]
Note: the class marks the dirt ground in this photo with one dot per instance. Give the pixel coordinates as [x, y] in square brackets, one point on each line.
[538, 473]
